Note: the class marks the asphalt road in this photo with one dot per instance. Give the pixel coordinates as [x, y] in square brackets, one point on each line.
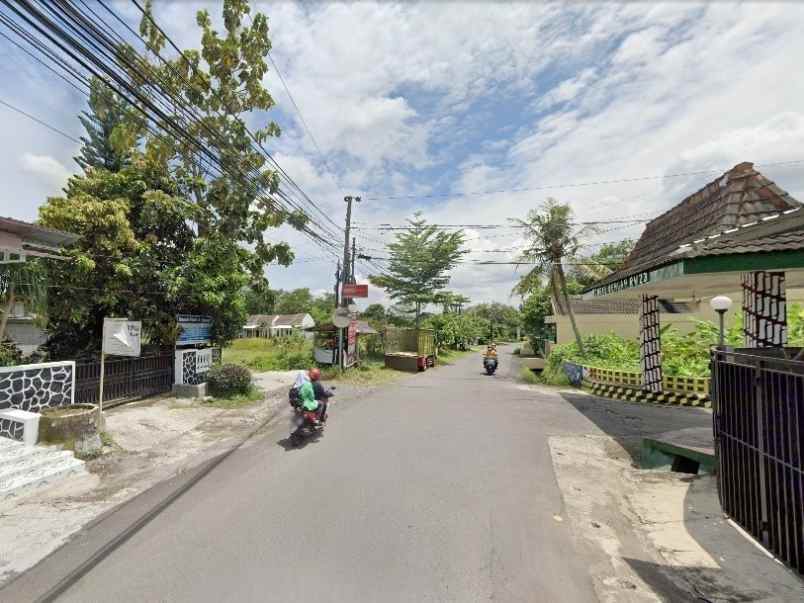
[440, 488]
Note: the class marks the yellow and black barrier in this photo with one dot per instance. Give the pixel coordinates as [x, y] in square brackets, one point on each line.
[636, 394]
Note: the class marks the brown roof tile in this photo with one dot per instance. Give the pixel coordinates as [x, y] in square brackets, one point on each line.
[742, 195]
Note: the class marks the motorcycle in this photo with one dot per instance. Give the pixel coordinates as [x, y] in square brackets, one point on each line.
[490, 364]
[305, 424]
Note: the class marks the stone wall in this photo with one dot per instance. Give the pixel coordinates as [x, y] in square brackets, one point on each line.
[192, 364]
[34, 387]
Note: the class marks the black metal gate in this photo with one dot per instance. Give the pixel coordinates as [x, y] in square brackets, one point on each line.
[758, 402]
[125, 378]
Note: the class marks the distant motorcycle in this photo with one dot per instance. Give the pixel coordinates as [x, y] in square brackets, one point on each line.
[490, 364]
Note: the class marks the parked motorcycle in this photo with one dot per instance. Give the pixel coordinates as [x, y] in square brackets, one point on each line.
[490, 364]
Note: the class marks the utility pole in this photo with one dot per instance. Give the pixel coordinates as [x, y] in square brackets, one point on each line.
[337, 283]
[348, 199]
[345, 276]
[352, 278]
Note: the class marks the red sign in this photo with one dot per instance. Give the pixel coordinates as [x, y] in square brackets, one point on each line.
[352, 334]
[352, 290]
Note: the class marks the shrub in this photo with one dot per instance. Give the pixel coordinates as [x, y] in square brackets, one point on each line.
[528, 376]
[228, 380]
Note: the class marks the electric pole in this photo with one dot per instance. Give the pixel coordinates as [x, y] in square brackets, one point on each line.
[352, 278]
[345, 275]
[337, 283]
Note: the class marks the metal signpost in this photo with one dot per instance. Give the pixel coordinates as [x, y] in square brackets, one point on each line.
[121, 337]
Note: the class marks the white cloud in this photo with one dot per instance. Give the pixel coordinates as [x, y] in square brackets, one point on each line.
[389, 91]
[46, 167]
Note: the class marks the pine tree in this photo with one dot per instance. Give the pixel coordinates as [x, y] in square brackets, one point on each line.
[110, 127]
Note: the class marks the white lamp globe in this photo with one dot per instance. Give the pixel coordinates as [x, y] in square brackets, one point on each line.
[720, 303]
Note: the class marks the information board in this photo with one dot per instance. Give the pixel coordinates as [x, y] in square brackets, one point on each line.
[193, 329]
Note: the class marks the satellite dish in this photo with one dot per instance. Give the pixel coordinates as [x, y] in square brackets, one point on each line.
[341, 318]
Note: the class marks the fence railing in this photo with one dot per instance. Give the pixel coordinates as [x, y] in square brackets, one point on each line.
[698, 385]
[758, 401]
[125, 378]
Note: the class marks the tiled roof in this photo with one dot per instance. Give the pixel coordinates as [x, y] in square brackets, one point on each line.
[741, 196]
[719, 219]
[786, 241]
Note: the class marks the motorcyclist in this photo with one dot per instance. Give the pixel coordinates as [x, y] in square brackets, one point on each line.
[491, 350]
[313, 395]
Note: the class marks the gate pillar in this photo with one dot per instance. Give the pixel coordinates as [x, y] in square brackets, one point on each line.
[650, 345]
[764, 309]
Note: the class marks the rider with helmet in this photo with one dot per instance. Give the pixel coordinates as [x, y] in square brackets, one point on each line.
[313, 395]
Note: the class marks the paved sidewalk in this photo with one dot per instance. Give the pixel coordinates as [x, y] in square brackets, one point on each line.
[658, 535]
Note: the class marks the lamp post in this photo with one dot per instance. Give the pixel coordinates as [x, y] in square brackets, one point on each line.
[721, 305]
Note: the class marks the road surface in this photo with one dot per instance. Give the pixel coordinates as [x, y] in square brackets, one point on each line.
[440, 488]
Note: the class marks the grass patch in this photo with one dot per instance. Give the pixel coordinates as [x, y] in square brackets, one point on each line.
[107, 439]
[270, 354]
[237, 401]
[528, 376]
[370, 372]
[450, 356]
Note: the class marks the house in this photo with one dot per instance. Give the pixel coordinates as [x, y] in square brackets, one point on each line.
[19, 242]
[621, 317]
[277, 325]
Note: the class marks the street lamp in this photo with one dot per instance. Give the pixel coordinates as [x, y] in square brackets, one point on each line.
[721, 305]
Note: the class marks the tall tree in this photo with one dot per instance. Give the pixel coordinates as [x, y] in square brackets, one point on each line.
[223, 85]
[552, 239]
[112, 129]
[421, 258]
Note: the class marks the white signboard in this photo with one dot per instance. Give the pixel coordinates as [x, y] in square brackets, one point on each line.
[122, 337]
[203, 360]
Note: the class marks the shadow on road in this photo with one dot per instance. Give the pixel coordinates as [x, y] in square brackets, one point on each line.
[288, 446]
[629, 422]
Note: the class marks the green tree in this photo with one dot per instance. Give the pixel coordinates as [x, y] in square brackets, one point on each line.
[322, 307]
[503, 319]
[552, 240]
[587, 270]
[296, 301]
[113, 129]
[421, 258]
[223, 85]
[259, 300]
[535, 309]
[374, 313]
[134, 239]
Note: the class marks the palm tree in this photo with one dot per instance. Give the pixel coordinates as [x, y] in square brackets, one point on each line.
[552, 238]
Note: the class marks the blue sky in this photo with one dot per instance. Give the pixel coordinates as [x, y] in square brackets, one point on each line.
[438, 99]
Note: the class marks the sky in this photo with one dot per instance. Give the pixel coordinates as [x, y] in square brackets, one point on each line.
[476, 112]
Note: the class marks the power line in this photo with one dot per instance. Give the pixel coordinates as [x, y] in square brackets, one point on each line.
[39, 121]
[80, 20]
[573, 185]
[391, 227]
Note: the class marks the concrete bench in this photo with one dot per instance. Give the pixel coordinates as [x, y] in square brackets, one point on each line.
[29, 421]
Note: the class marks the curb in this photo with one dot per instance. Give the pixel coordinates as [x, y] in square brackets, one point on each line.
[631, 394]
